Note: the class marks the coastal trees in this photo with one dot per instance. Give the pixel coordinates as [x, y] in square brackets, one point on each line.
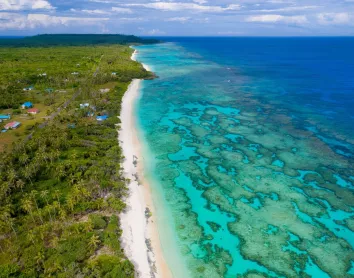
[94, 241]
[61, 188]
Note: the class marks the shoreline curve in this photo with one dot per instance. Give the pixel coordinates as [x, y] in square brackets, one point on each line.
[140, 238]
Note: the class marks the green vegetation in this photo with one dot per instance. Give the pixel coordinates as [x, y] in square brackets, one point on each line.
[52, 68]
[61, 188]
[73, 40]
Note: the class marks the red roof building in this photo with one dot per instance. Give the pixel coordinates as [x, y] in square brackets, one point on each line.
[33, 111]
[12, 125]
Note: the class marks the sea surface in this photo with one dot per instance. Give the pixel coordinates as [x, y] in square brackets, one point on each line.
[250, 145]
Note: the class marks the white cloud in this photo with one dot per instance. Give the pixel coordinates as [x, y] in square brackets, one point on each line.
[333, 18]
[156, 32]
[104, 12]
[176, 6]
[18, 5]
[230, 33]
[122, 10]
[132, 19]
[95, 12]
[274, 18]
[101, 1]
[179, 19]
[11, 21]
[289, 9]
[200, 2]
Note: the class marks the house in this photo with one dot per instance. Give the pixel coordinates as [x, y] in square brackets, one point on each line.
[27, 105]
[84, 105]
[114, 73]
[12, 125]
[49, 90]
[101, 118]
[5, 117]
[42, 74]
[33, 111]
[75, 73]
[30, 88]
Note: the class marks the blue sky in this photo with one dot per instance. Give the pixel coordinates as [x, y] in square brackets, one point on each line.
[179, 17]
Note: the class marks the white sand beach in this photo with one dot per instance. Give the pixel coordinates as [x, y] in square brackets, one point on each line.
[137, 229]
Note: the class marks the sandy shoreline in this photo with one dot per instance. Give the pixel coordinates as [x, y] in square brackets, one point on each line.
[138, 230]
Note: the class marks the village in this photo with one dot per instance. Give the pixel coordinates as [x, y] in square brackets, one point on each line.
[29, 112]
[21, 123]
[41, 103]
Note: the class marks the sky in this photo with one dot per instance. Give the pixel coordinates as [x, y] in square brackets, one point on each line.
[179, 17]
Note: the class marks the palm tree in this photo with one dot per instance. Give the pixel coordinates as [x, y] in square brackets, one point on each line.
[55, 205]
[57, 195]
[57, 153]
[31, 237]
[60, 170]
[20, 184]
[77, 191]
[94, 242]
[27, 172]
[23, 158]
[70, 202]
[41, 230]
[6, 219]
[88, 227]
[33, 196]
[95, 175]
[27, 206]
[44, 195]
[62, 214]
[54, 241]
[11, 176]
[74, 155]
[100, 203]
[40, 258]
[72, 179]
[48, 210]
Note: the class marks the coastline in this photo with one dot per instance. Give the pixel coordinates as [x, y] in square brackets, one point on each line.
[140, 238]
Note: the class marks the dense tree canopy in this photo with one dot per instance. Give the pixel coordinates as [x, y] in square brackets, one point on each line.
[73, 39]
[61, 189]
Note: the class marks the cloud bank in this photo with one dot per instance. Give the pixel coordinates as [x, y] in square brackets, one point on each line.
[179, 17]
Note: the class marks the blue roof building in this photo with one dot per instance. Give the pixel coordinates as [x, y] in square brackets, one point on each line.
[12, 125]
[102, 118]
[27, 104]
[5, 117]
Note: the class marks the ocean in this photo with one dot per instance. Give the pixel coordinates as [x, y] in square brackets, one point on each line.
[250, 151]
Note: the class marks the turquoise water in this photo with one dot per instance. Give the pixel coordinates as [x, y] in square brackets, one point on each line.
[250, 184]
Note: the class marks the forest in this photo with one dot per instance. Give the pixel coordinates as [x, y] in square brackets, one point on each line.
[61, 184]
[73, 40]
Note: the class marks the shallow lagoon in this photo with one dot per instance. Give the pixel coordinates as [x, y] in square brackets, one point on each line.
[255, 183]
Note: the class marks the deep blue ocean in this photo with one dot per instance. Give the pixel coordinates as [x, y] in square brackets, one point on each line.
[251, 144]
[313, 72]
